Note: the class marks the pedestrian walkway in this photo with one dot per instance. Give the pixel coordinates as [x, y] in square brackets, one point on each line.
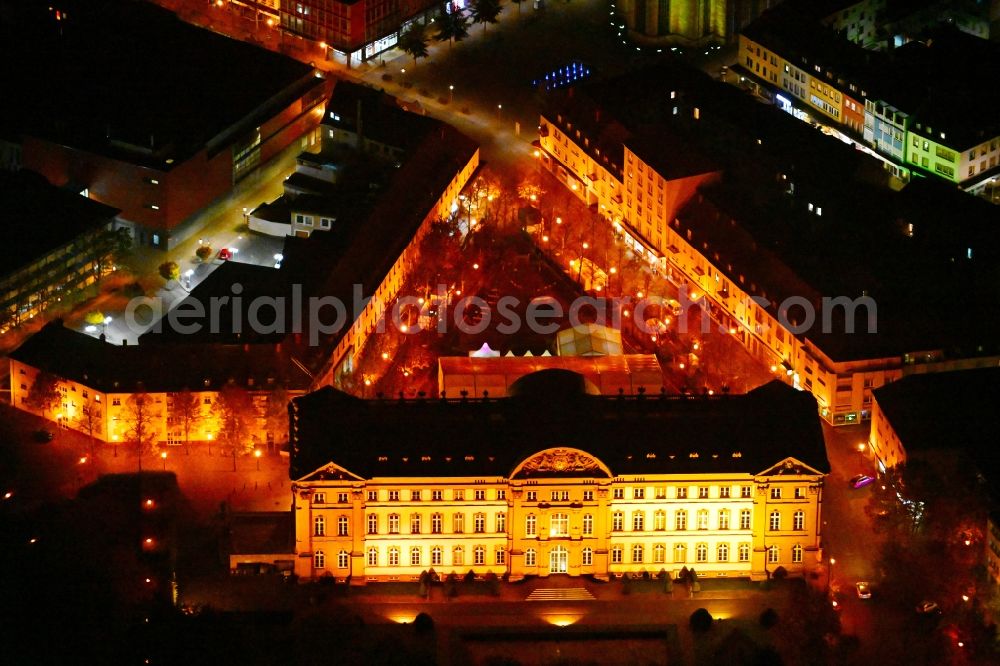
[563, 594]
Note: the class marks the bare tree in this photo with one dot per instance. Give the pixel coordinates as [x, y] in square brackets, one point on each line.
[140, 420]
[89, 420]
[276, 412]
[236, 414]
[187, 408]
[44, 393]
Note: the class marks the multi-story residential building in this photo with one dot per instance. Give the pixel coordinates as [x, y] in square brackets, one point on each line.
[354, 30]
[98, 382]
[803, 187]
[858, 22]
[160, 146]
[42, 267]
[558, 483]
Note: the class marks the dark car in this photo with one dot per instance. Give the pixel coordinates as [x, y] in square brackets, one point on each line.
[42, 435]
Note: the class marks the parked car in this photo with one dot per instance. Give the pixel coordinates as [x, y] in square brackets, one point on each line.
[42, 435]
[225, 254]
[864, 589]
[861, 480]
[928, 607]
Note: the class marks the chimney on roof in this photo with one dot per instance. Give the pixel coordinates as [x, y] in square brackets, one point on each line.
[358, 129]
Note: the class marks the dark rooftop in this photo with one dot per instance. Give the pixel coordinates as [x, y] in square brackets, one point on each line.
[382, 119]
[950, 411]
[157, 368]
[261, 532]
[131, 80]
[631, 435]
[26, 198]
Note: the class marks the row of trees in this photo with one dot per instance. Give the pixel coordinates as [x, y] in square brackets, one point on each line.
[453, 25]
[234, 410]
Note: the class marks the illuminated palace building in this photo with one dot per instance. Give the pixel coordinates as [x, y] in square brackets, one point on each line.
[556, 480]
[689, 22]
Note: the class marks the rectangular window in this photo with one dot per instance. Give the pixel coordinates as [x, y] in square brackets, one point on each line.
[619, 493]
[800, 493]
[682, 492]
[372, 495]
[319, 498]
[393, 495]
[501, 494]
[638, 493]
[532, 496]
[724, 491]
[703, 492]
[342, 498]
[460, 495]
[415, 495]
[776, 493]
[436, 495]
[745, 492]
[588, 495]
[480, 495]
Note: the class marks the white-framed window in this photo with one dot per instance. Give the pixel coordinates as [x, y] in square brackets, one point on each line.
[744, 519]
[724, 492]
[776, 492]
[680, 519]
[797, 553]
[501, 522]
[458, 523]
[372, 495]
[529, 557]
[638, 493]
[702, 519]
[588, 495]
[479, 555]
[343, 559]
[500, 555]
[702, 492]
[659, 553]
[372, 523]
[638, 521]
[415, 556]
[415, 496]
[459, 494]
[436, 556]
[618, 493]
[723, 519]
[660, 520]
[588, 524]
[559, 525]
[319, 498]
[415, 523]
[701, 552]
[393, 495]
[800, 492]
[638, 553]
[436, 520]
[319, 526]
[457, 556]
[743, 552]
[617, 521]
[342, 498]
[775, 521]
[799, 520]
[436, 495]
[373, 556]
[588, 556]
[342, 525]
[722, 552]
[532, 496]
[616, 554]
[745, 492]
[530, 525]
[772, 554]
[393, 523]
[680, 553]
[480, 495]
[501, 494]
[479, 523]
[319, 559]
[393, 556]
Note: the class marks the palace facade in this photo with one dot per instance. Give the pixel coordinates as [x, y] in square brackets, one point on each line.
[554, 481]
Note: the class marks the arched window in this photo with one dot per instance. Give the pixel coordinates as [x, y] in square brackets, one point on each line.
[501, 522]
[436, 556]
[373, 556]
[680, 553]
[559, 525]
[415, 556]
[638, 521]
[702, 519]
[588, 556]
[530, 525]
[414, 523]
[616, 554]
[342, 523]
[744, 552]
[617, 521]
[588, 524]
[529, 557]
[372, 523]
[659, 553]
[744, 519]
[343, 559]
[458, 523]
[436, 520]
[660, 520]
[319, 526]
[393, 556]
[681, 520]
[799, 521]
[319, 559]
[797, 553]
[479, 523]
[772, 554]
[722, 552]
[479, 555]
[638, 552]
[701, 552]
[393, 523]
[775, 521]
[457, 556]
[723, 519]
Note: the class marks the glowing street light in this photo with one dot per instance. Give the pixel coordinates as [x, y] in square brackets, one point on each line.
[257, 454]
[451, 94]
[163, 457]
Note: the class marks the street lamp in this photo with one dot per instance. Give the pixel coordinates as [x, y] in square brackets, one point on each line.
[256, 454]
[499, 109]
[451, 94]
[163, 457]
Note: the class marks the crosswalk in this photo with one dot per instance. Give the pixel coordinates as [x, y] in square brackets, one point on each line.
[561, 594]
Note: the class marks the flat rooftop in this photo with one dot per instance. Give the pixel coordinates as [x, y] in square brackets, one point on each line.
[26, 198]
[132, 81]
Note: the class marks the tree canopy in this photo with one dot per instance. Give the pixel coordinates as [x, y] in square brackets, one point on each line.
[414, 40]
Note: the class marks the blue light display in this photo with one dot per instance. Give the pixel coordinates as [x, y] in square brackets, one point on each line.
[563, 77]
